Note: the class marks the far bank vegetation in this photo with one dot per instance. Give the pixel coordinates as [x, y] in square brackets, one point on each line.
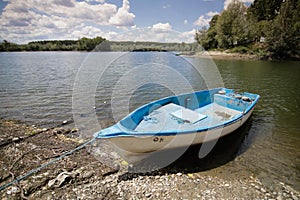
[98, 44]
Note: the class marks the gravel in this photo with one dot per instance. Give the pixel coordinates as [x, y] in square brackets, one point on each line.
[81, 176]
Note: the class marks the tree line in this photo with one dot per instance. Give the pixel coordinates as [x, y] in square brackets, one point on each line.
[269, 28]
[97, 44]
[153, 46]
[83, 44]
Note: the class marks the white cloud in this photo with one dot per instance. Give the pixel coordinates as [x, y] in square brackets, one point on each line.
[227, 2]
[110, 35]
[202, 21]
[185, 21]
[188, 36]
[96, 1]
[22, 21]
[160, 32]
[123, 17]
[211, 13]
[161, 27]
[86, 31]
[66, 10]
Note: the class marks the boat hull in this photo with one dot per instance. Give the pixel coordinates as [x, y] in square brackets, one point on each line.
[134, 149]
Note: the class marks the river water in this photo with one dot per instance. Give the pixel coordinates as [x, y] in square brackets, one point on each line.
[40, 87]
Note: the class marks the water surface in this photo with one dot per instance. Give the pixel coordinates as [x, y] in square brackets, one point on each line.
[37, 88]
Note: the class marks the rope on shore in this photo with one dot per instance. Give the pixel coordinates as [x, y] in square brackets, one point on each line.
[46, 164]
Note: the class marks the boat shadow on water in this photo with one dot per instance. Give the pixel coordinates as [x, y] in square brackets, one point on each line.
[225, 150]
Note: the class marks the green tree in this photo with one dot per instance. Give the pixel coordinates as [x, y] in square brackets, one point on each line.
[207, 38]
[232, 26]
[9, 46]
[283, 37]
[86, 44]
[264, 9]
[261, 14]
[200, 37]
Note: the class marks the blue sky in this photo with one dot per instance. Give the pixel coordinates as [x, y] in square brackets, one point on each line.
[173, 11]
[139, 20]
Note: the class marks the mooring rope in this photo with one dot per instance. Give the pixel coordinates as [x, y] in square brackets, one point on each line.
[46, 164]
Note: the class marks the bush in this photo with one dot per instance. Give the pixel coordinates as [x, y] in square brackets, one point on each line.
[241, 49]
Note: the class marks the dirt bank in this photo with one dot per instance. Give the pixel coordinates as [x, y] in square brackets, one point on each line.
[81, 176]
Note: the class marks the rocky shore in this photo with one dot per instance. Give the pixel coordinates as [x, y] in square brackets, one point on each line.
[226, 55]
[82, 176]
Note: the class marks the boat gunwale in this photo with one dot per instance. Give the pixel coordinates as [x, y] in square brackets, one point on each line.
[126, 132]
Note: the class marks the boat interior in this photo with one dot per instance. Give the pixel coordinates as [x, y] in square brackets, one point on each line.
[190, 112]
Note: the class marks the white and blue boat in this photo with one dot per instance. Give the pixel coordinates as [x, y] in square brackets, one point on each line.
[180, 121]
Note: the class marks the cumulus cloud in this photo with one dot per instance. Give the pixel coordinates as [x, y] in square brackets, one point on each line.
[188, 36]
[123, 17]
[160, 32]
[22, 21]
[185, 21]
[161, 27]
[211, 13]
[86, 31]
[204, 20]
[227, 2]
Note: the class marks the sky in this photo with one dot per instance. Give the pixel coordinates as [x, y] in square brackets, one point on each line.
[22, 21]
